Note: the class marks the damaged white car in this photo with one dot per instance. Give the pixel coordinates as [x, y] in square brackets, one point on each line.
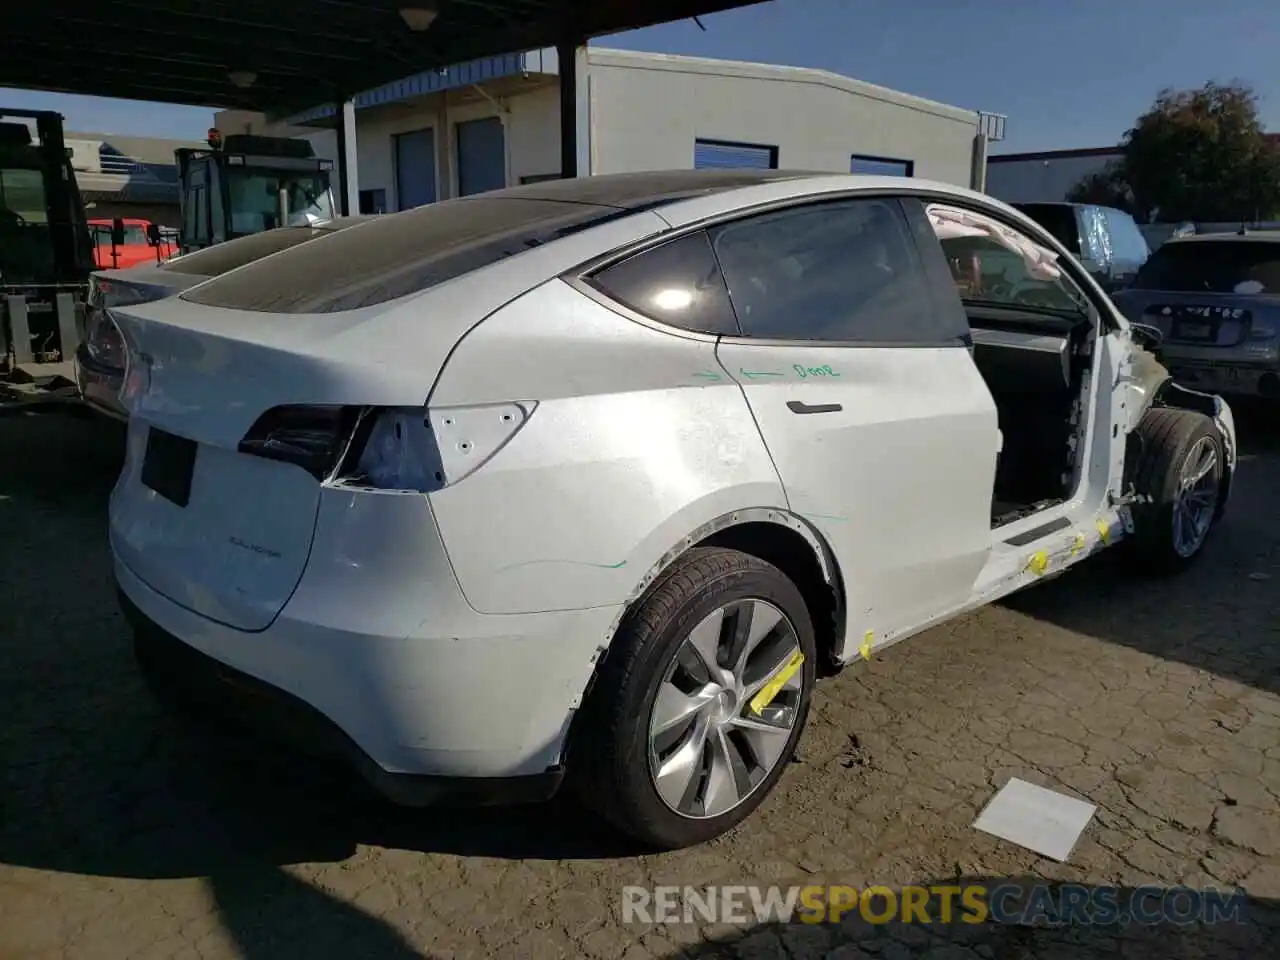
[589, 480]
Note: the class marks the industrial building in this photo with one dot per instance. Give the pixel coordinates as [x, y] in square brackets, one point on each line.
[1049, 175]
[127, 176]
[490, 123]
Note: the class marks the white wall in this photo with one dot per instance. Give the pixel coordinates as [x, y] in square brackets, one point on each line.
[1040, 179]
[644, 112]
[647, 110]
[531, 131]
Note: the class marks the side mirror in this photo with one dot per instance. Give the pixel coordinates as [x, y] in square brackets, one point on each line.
[153, 234]
[1146, 336]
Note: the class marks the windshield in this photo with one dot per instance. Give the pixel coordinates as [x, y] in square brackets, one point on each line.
[1213, 266]
[254, 197]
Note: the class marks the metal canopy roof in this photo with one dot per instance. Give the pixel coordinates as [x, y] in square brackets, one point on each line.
[301, 52]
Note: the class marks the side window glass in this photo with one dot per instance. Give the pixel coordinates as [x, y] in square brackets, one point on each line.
[992, 263]
[678, 283]
[845, 270]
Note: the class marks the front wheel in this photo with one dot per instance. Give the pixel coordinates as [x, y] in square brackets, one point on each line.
[700, 701]
[1178, 472]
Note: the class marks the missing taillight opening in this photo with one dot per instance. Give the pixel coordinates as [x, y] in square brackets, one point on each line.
[413, 449]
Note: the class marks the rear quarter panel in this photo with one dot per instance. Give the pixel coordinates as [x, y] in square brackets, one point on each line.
[639, 438]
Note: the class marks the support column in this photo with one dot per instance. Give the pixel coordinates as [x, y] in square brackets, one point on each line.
[348, 172]
[978, 169]
[567, 56]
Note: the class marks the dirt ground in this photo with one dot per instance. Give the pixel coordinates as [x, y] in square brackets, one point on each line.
[124, 834]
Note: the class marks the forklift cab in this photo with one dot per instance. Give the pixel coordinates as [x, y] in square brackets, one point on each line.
[246, 184]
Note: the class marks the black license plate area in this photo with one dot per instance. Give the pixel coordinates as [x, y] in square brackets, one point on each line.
[168, 465]
[1201, 324]
[1195, 329]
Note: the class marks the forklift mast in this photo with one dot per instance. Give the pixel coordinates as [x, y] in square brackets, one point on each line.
[244, 184]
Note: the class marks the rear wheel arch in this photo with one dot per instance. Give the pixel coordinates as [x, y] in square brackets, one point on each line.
[778, 537]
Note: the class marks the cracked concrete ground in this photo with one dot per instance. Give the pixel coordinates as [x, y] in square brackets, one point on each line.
[123, 834]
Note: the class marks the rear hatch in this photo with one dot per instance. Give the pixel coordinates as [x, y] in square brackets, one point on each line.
[111, 289]
[1208, 294]
[241, 389]
[213, 508]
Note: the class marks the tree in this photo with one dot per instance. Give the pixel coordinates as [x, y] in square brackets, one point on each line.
[1105, 187]
[1196, 155]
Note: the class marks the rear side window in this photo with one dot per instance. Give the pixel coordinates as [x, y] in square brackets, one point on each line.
[1212, 266]
[840, 271]
[678, 283]
[397, 255]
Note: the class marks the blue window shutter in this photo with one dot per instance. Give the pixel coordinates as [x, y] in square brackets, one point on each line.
[712, 154]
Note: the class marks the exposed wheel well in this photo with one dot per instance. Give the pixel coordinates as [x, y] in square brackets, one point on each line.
[793, 555]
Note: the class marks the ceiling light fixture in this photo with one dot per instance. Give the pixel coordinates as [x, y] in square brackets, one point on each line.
[418, 18]
[242, 78]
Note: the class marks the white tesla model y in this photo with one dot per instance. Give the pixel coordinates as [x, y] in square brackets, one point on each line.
[591, 478]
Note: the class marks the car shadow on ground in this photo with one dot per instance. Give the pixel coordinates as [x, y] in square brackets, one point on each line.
[1024, 928]
[1223, 614]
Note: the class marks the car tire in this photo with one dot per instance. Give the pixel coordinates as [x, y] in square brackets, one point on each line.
[1171, 446]
[615, 750]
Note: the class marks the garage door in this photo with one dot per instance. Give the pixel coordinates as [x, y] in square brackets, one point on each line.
[415, 168]
[710, 154]
[482, 161]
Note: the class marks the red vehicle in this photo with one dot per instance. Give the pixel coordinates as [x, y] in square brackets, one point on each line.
[131, 247]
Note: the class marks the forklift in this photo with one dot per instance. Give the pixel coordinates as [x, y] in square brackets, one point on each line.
[46, 252]
[244, 184]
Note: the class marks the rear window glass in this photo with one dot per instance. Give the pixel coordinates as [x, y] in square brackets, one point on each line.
[220, 258]
[397, 255]
[1059, 219]
[1208, 266]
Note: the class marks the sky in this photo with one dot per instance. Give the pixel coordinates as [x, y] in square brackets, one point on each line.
[1070, 73]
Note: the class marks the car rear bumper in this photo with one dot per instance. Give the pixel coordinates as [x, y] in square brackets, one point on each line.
[179, 673]
[99, 386]
[378, 643]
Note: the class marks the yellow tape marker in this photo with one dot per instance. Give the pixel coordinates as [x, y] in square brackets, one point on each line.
[770, 689]
[865, 649]
[1038, 563]
[1105, 530]
[1079, 544]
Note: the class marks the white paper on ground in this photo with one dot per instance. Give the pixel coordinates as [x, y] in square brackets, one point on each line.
[1041, 820]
